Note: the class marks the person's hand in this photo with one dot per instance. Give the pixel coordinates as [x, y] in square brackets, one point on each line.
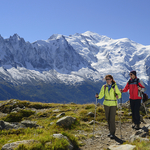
[117, 96]
[121, 90]
[139, 88]
[96, 96]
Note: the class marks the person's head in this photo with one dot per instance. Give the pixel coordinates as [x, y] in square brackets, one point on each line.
[109, 79]
[133, 74]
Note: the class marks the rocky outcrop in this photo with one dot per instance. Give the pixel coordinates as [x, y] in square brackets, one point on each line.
[60, 136]
[60, 115]
[15, 125]
[141, 134]
[66, 121]
[12, 146]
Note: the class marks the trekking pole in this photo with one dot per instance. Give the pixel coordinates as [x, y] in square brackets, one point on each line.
[119, 109]
[95, 116]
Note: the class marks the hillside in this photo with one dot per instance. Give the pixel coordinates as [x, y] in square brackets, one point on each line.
[40, 126]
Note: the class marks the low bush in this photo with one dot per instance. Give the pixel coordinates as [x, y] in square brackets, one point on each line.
[17, 117]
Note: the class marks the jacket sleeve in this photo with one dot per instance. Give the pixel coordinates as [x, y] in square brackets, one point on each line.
[101, 94]
[126, 87]
[117, 91]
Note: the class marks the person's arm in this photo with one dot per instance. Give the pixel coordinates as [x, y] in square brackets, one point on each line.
[117, 91]
[101, 94]
[126, 88]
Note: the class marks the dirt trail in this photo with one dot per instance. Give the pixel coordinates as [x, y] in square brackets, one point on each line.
[102, 141]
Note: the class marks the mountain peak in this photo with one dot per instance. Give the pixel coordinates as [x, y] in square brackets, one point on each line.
[15, 37]
[56, 36]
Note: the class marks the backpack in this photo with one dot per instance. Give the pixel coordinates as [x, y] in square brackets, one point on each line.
[142, 93]
[144, 97]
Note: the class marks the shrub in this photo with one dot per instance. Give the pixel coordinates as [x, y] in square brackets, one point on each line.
[89, 106]
[17, 117]
[100, 109]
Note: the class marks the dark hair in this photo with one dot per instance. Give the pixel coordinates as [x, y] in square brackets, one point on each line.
[110, 76]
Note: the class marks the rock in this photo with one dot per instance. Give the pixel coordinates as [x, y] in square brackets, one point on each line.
[60, 136]
[56, 110]
[60, 115]
[15, 109]
[51, 123]
[66, 121]
[120, 112]
[141, 119]
[12, 146]
[90, 114]
[7, 125]
[126, 105]
[121, 147]
[28, 123]
[91, 122]
[130, 114]
[2, 125]
[3, 115]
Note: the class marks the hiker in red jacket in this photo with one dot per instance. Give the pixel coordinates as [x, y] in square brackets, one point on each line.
[134, 86]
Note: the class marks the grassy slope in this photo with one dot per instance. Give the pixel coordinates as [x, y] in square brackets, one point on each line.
[45, 118]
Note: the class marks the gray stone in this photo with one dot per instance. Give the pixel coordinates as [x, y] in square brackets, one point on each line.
[60, 136]
[60, 115]
[7, 125]
[56, 110]
[28, 123]
[12, 146]
[66, 121]
[141, 119]
[15, 109]
[92, 122]
[121, 147]
[90, 114]
[2, 125]
[51, 123]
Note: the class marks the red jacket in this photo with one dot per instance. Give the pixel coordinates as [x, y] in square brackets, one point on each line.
[133, 88]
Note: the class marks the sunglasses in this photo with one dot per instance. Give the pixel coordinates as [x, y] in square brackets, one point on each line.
[108, 79]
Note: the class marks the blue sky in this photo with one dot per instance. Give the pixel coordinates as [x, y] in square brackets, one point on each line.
[39, 19]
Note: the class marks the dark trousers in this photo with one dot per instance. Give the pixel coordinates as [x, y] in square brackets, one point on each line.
[110, 112]
[135, 108]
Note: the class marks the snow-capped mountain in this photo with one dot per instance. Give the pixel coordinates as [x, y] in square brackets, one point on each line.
[72, 60]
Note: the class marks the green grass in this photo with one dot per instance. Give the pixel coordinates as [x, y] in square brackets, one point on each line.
[44, 118]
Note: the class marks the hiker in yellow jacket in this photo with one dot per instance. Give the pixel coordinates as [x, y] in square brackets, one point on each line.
[111, 93]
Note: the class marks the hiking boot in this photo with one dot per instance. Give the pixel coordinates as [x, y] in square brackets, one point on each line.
[137, 127]
[133, 126]
[112, 136]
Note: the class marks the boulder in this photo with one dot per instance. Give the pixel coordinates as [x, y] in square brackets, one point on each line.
[66, 121]
[56, 110]
[90, 114]
[30, 124]
[2, 125]
[140, 134]
[60, 115]
[121, 147]
[60, 136]
[12, 146]
[92, 122]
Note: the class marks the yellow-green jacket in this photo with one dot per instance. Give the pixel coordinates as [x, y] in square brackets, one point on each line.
[110, 96]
